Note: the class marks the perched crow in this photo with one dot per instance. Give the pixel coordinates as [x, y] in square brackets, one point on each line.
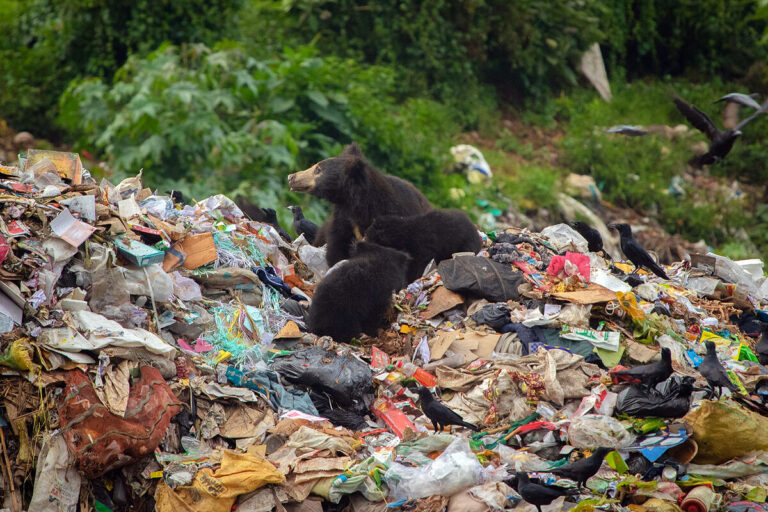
[746, 100]
[584, 469]
[438, 414]
[629, 131]
[721, 141]
[251, 210]
[538, 494]
[303, 226]
[713, 371]
[653, 373]
[762, 347]
[176, 196]
[270, 217]
[635, 252]
[590, 234]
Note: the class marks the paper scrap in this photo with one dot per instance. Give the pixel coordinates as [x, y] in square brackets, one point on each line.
[606, 340]
[84, 205]
[128, 208]
[68, 228]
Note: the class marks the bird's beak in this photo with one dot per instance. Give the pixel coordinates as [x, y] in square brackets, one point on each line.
[737, 133]
[611, 226]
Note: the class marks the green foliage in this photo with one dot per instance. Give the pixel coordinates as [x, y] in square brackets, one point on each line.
[47, 43]
[710, 37]
[441, 47]
[218, 120]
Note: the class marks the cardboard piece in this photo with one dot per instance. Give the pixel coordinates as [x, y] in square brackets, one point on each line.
[68, 165]
[138, 253]
[442, 300]
[173, 258]
[592, 294]
[289, 331]
[440, 344]
[484, 342]
[200, 250]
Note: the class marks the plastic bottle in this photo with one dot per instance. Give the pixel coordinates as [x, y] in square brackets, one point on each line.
[423, 377]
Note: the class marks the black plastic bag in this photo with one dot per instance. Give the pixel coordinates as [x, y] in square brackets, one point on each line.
[481, 277]
[494, 315]
[669, 399]
[348, 381]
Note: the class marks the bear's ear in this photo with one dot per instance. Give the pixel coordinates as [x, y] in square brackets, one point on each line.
[356, 171]
[353, 150]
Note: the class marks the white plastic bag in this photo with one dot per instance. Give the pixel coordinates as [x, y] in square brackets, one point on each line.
[57, 482]
[593, 430]
[564, 237]
[454, 470]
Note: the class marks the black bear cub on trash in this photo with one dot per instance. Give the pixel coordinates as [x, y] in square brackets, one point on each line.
[355, 297]
[437, 234]
[359, 193]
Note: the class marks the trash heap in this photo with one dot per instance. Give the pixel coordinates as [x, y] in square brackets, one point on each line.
[154, 356]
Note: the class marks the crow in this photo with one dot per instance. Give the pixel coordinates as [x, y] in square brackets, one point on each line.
[438, 414]
[762, 346]
[538, 494]
[584, 469]
[745, 100]
[629, 131]
[653, 373]
[635, 252]
[303, 226]
[713, 371]
[270, 217]
[590, 234]
[176, 196]
[721, 141]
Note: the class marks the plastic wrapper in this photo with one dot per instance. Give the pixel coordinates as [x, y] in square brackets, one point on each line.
[594, 430]
[454, 470]
[670, 399]
[481, 277]
[185, 288]
[345, 379]
[564, 237]
[312, 257]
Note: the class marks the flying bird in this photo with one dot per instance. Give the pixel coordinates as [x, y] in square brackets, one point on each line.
[746, 100]
[650, 374]
[629, 131]
[538, 494]
[721, 141]
[303, 226]
[635, 252]
[711, 369]
[584, 469]
[590, 234]
[438, 414]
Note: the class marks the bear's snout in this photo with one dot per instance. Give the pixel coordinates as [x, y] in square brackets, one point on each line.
[303, 181]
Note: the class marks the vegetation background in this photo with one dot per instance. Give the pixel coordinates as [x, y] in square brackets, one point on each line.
[232, 95]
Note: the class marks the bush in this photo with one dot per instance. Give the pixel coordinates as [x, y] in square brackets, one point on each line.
[47, 43]
[216, 120]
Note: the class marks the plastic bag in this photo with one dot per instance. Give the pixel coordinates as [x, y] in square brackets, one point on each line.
[154, 282]
[345, 379]
[564, 237]
[482, 277]
[454, 470]
[494, 315]
[57, 482]
[670, 399]
[594, 430]
[185, 288]
[724, 431]
[313, 258]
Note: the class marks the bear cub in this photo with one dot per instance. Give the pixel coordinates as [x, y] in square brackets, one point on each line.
[355, 297]
[434, 235]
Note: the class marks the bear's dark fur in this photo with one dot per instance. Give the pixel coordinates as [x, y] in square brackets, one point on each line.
[355, 297]
[359, 193]
[434, 235]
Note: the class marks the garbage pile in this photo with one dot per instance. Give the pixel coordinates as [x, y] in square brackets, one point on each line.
[155, 355]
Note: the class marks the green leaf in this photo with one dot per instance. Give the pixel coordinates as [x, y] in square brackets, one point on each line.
[318, 98]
